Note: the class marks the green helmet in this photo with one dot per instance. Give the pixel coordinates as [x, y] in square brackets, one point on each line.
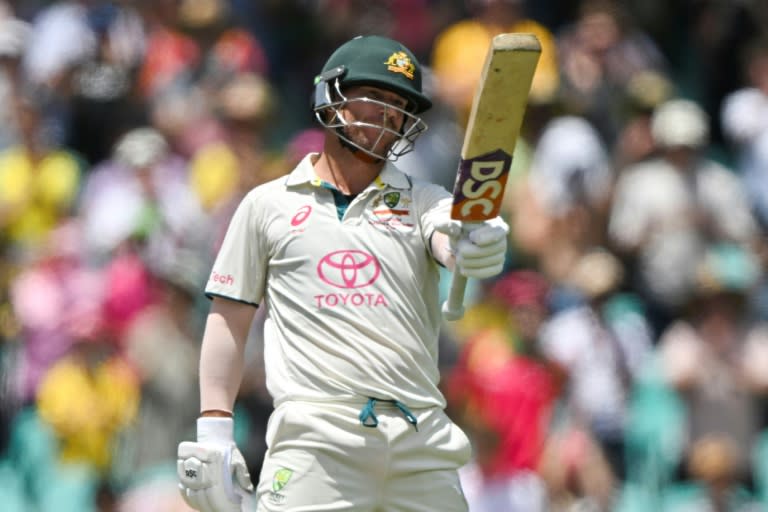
[379, 61]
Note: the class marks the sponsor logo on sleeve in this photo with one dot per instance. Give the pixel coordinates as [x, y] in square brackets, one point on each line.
[225, 279]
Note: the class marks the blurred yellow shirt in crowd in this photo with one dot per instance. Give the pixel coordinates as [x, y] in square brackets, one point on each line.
[459, 54]
[87, 407]
[214, 174]
[35, 195]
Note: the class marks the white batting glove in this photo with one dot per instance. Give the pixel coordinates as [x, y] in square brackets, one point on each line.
[478, 248]
[212, 473]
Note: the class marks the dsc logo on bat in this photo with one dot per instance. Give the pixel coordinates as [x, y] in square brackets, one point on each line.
[480, 185]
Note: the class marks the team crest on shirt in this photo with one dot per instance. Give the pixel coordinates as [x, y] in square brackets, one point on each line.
[391, 199]
[279, 481]
[391, 211]
[400, 62]
[280, 478]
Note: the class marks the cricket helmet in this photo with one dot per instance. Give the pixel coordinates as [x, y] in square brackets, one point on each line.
[380, 62]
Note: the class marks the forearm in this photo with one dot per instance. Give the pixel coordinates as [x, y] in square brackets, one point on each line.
[222, 354]
[441, 250]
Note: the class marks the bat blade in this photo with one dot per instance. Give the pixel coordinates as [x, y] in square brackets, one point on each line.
[491, 134]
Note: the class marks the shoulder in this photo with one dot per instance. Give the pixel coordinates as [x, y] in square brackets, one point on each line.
[425, 192]
[394, 177]
[272, 191]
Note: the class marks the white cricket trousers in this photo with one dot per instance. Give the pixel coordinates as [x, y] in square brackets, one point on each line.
[321, 458]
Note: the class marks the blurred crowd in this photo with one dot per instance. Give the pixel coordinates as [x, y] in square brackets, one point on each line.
[620, 362]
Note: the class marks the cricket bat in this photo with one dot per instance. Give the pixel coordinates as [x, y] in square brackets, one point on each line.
[489, 140]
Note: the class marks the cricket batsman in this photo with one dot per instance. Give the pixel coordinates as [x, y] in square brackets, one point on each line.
[344, 252]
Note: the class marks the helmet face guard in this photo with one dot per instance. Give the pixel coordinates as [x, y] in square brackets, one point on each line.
[379, 62]
[329, 100]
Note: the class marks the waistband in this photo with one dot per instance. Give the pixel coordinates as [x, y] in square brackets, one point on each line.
[368, 413]
[367, 406]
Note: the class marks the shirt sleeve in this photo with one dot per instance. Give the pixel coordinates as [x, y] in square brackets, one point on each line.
[240, 267]
[433, 205]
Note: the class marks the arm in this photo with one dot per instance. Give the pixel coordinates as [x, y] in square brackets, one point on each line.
[441, 250]
[222, 354]
[212, 472]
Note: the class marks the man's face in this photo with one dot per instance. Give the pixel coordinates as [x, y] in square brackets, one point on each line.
[373, 123]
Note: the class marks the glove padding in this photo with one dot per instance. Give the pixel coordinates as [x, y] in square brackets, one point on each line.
[212, 472]
[478, 248]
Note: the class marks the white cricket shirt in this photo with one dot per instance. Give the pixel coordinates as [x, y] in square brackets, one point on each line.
[352, 304]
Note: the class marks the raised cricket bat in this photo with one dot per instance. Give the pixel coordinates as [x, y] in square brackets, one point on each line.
[489, 140]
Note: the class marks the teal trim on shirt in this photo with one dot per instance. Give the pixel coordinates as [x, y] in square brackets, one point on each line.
[342, 200]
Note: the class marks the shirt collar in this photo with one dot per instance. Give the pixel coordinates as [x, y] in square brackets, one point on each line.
[390, 176]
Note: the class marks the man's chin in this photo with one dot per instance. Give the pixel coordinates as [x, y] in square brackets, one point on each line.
[379, 152]
[367, 158]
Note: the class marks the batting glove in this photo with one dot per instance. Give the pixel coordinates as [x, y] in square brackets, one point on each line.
[212, 472]
[478, 248]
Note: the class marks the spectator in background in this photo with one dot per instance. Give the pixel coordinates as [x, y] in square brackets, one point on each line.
[459, 52]
[576, 472]
[223, 170]
[64, 34]
[666, 210]
[601, 340]
[504, 390]
[161, 344]
[85, 401]
[745, 110]
[599, 54]
[634, 142]
[13, 36]
[559, 209]
[714, 357]
[141, 194]
[745, 125]
[67, 34]
[193, 50]
[39, 182]
[55, 299]
[88, 397]
[102, 101]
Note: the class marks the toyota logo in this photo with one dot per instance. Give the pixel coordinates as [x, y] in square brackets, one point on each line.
[348, 268]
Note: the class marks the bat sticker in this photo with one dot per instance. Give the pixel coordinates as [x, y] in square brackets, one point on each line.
[480, 182]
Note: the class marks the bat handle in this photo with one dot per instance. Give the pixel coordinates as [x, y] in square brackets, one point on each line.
[453, 307]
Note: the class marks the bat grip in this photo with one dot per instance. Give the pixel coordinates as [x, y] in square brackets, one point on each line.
[453, 307]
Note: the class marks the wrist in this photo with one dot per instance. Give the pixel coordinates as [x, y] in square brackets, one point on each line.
[215, 429]
[216, 413]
